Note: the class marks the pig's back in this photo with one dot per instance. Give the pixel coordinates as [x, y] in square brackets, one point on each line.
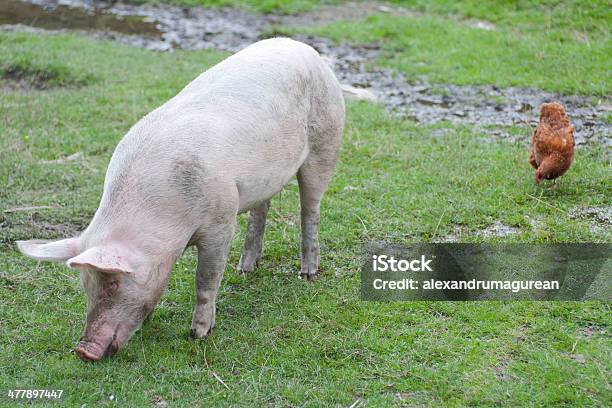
[261, 94]
[246, 119]
[258, 75]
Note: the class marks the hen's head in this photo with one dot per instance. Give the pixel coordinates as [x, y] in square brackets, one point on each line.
[545, 173]
[554, 115]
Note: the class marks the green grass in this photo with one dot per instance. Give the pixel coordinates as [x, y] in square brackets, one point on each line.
[532, 15]
[564, 48]
[280, 341]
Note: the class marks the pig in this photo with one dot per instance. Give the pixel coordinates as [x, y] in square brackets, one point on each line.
[225, 144]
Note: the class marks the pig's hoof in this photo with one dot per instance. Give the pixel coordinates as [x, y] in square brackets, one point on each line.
[198, 333]
[247, 263]
[310, 274]
[203, 322]
[307, 277]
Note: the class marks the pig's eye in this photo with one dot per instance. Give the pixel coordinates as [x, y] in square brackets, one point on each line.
[111, 287]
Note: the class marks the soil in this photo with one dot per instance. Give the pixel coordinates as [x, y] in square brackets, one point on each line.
[18, 80]
[600, 218]
[498, 112]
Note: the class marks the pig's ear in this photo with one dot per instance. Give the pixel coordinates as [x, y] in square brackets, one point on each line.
[45, 250]
[101, 259]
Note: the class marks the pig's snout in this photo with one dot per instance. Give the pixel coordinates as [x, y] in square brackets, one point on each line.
[105, 344]
[91, 350]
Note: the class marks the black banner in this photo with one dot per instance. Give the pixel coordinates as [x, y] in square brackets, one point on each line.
[464, 272]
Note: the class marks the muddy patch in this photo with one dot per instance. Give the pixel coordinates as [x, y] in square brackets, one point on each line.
[501, 371]
[331, 13]
[16, 77]
[589, 331]
[158, 401]
[160, 28]
[535, 223]
[498, 229]
[9, 283]
[64, 159]
[15, 225]
[578, 358]
[494, 111]
[25, 78]
[599, 218]
[57, 15]
[458, 233]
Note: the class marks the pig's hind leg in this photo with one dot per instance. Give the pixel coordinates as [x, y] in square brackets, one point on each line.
[251, 254]
[313, 177]
[213, 243]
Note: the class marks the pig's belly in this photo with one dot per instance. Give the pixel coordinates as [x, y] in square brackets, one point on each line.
[262, 180]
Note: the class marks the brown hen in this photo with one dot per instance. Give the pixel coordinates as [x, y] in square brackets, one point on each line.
[552, 144]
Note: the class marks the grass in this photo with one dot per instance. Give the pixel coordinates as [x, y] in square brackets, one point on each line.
[280, 341]
[564, 48]
[586, 16]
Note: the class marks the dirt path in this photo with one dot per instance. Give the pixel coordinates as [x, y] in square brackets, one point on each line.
[165, 28]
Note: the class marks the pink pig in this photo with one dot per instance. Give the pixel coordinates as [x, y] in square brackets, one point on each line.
[226, 144]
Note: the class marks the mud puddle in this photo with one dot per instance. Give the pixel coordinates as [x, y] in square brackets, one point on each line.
[164, 28]
[57, 16]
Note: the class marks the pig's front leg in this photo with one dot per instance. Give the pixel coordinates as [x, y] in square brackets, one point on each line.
[251, 254]
[212, 257]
